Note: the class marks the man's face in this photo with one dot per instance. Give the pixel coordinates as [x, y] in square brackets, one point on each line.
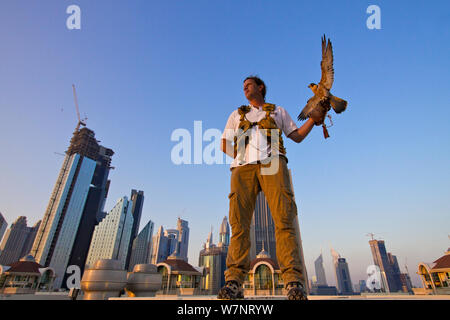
[252, 90]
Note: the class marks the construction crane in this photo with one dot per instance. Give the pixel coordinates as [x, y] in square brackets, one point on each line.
[80, 122]
[371, 235]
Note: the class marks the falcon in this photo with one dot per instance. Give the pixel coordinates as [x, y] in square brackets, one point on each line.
[323, 100]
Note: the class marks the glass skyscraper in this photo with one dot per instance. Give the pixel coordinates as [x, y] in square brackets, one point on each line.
[142, 246]
[85, 163]
[343, 279]
[390, 271]
[213, 258]
[17, 241]
[112, 235]
[320, 272]
[3, 226]
[138, 202]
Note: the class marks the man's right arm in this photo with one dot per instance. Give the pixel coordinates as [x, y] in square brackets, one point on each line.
[228, 148]
[228, 136]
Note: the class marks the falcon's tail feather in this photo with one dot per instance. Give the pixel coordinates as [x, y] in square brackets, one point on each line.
[339, 105]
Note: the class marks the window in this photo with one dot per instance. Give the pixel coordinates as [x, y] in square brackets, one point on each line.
[263, 278]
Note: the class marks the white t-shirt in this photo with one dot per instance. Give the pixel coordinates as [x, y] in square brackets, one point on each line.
[257, 148]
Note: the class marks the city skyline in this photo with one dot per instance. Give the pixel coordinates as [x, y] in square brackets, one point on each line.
[383, 170]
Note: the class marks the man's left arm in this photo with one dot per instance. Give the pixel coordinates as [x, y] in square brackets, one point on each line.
[300, 133]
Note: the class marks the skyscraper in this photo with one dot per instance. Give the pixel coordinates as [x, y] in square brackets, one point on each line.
[92, 212]
[224, 233]
[159, 247]
[382, 260]
[213, 258]
[112, 235]
[138, 202]
[142, 245]
[262, 232]
[172, 236]
[17, 241]
[262, 229]
[171, 242]
[344, 282]
[3, 226]
[65, 212]
[183, 239]
[321, 280]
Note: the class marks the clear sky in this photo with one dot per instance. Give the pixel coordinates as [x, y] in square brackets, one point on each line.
[145, 68]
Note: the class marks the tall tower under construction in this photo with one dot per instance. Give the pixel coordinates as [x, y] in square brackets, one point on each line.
[75, 206]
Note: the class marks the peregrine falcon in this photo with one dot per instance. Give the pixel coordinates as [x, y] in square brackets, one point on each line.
[323, 100]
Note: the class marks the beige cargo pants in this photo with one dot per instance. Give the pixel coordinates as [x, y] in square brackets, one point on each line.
[246, 182]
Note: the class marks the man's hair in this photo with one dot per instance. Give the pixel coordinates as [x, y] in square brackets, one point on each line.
[258, 82]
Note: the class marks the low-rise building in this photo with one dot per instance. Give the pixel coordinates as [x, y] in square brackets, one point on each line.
[264, 277]
[25, 276]
[179, 277]
[435, 276]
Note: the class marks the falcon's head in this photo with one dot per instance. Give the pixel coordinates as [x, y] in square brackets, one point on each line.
[313, 87]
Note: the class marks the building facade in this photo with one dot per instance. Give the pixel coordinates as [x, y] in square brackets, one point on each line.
[138, 203]
[179, 277]
[321, 279]
[25, 276]
[60, 225]
[17, 241]
[435, 276]
[343, 279]
[142, 246]
[159, 247]
[262, 229]
[213, 259]
[224, 232]
[171, 242]
[3, 226]
[112, 235]
[390, 272]
[183, 239]
[264, 277]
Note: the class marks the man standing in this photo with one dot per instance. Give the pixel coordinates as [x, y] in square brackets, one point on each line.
[253, 138]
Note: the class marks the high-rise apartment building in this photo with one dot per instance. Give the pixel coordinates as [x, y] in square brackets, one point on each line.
[183, 239]
[224, 233]
[172, 236]
[160, 248]
[138, 202]
[112, 235]
[17, 241]
[3, 226]
[171, 242]
[390, 272]
[343, 279]
[142, 246]
[262, 229]
[77, 198]
[213, 258]
[321, 279]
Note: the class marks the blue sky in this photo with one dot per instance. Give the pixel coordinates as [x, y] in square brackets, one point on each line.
[145, 68]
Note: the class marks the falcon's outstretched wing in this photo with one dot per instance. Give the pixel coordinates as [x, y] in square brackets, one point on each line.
[312, 102]
[327, 64]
